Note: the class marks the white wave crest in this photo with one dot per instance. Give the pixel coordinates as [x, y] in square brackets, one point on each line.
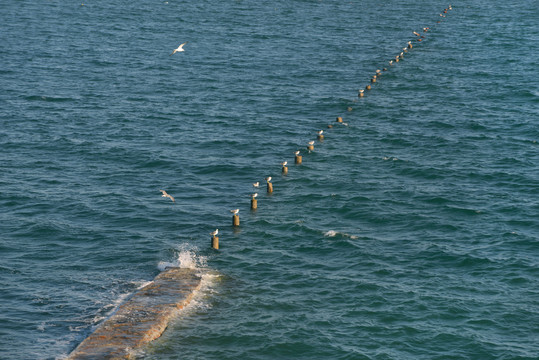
[332, 233]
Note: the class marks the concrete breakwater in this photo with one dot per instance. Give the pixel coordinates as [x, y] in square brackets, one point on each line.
[142, 318]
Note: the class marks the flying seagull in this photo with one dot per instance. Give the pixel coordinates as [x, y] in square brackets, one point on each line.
[165, 194]
[179, 49]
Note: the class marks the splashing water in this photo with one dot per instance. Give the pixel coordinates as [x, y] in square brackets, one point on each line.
[187, 258]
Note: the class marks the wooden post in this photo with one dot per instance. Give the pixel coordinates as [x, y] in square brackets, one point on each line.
[299, 159]
[254, 204]
[285, 170]
[339, 119]
[235, 220]
[270, 187]
[215, 242]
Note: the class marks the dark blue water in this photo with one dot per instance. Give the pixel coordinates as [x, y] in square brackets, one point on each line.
[411, 233]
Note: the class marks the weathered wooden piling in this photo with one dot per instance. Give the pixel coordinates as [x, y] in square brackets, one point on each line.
[299, 159]
[142, 318]
[339, 119]
[215, 242]
[254, 204]
[235, 220]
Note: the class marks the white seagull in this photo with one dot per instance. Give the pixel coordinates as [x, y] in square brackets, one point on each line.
[165, 194]
[284, 163]
[214, 233]
[268, 179]
[179, 49]
[320, 132]
[254, 195]
[256, 184]
[311, 142]
[235, 211]
[297, 153]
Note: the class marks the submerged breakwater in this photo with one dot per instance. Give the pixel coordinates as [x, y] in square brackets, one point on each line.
[142, 318]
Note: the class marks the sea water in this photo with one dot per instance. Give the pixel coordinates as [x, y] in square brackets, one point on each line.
[410, 233]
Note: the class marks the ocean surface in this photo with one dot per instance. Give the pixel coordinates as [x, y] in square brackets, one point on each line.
[410, 232]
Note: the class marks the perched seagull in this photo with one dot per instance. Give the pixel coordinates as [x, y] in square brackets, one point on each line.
[235, 211]
[254, 195]
[214, 233]
[268, 179]
[179, 49]
[362, 91]
[390, 63]
[284, 163]
[415, 33]
[378, 71]
[320, 132]
[165, 194]
[256, 184]
[311, 142]
[297, 153]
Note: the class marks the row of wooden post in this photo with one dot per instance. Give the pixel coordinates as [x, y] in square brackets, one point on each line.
[298, 158]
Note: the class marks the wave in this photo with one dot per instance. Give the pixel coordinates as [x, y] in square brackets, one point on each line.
[333, 233]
